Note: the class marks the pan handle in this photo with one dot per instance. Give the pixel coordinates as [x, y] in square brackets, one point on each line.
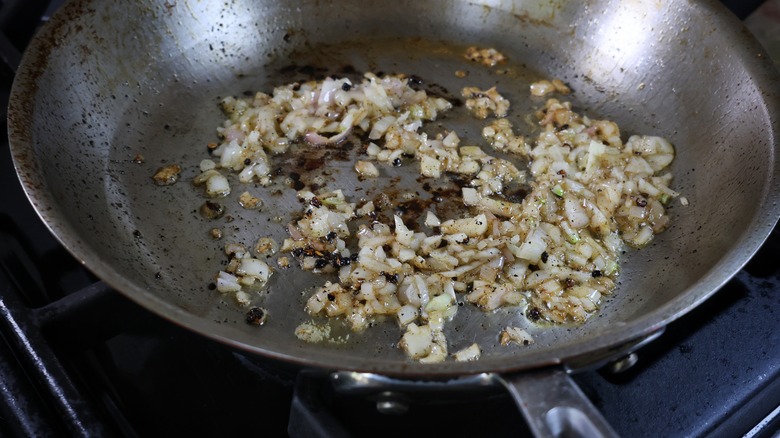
[554, 406]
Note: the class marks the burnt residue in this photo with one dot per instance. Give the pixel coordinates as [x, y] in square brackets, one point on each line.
[297, 184]
[302, 163]
[516, 194]
[212, 210]
[434, 89]
[440, 196]
[306, 72]
[448, 201]
[348, 70]
[412, 210]
[256, 316]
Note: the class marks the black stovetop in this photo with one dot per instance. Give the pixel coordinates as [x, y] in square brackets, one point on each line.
[77, 358]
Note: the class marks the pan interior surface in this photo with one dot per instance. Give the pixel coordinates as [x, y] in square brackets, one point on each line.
[104, 85]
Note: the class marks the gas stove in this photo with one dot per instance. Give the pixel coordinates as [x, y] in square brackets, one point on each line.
[79, 359]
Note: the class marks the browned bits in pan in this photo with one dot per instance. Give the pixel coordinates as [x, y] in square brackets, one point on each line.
[256, 316]
[212, 210]
[167, 175]
[488, 57]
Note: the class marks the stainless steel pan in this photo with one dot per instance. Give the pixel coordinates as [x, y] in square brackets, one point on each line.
[104, 82]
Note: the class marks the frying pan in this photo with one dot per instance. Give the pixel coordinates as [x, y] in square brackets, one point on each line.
[109, 91]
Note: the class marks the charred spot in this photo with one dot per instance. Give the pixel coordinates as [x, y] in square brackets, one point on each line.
[320, 263]
[414, 82]
[247, 161]
[533, 268]
[332, 235]
[339, 261]
[545, 257]
[256, 316]
[331, 297]
[315, 202]
[212, 210]
[391, 278]
[211, 286]
[534, 314]
[569, 282]
[353, 257]
[311, 71]
[516, 196]
[348, 69]
[596, 273]
[288, 69]
[297, 252]
[641, 202]
[346, 86]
